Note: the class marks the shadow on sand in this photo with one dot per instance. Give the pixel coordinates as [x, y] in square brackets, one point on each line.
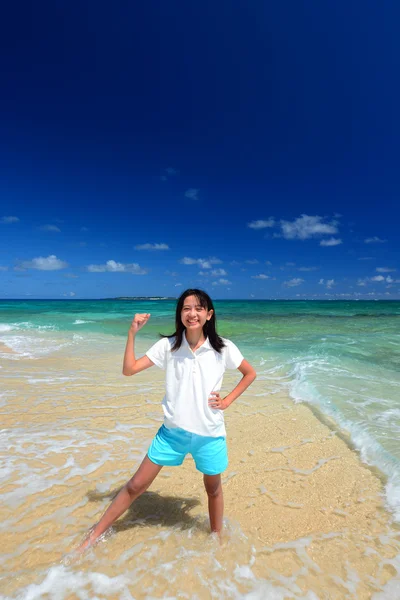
[153, 509]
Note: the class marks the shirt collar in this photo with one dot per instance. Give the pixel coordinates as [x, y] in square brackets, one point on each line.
[205, 346]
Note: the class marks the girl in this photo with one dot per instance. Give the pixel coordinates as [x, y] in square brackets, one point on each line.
[194, 358]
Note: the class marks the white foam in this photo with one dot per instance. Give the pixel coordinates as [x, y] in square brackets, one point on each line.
[371, 451]
[81, 322]
[23, 325]
[49, 380]
[30, 346]
[60, 581]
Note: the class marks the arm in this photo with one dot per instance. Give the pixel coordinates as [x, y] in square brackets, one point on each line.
[132, 365]
[249, 376]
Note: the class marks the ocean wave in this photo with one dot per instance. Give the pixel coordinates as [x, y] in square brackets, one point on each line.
[302, 389]
[25, 325]
[81, 322]
[24, 346]
[235, 580]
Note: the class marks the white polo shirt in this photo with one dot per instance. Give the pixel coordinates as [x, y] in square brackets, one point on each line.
[190, 379]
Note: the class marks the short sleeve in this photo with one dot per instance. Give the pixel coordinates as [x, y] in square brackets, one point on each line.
[158, 353]
[233, 356]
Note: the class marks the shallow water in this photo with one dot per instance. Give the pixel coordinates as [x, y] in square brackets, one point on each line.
[74, 429]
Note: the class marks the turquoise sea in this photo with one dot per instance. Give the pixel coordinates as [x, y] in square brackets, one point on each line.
[341, 357]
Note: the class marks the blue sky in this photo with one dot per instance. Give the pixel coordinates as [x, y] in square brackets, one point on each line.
[248, 148]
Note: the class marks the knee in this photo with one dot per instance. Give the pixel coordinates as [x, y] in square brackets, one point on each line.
[134, 487]
[213, 488]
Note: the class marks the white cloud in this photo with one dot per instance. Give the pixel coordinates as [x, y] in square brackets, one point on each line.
[152, 247]
[374, 240]
[169, 172]
[377, 278]
[262, 224]
[53, 228]
[302, 228]
[192, 193]
[268, 262]
[307, 269]
[388, 279]
[71, 276]
[7, 220]
[111, 266]
[218, 272]
[71, 294]
[178, 284]
[252, 261]
[293, 282]
[331, 242]
[51, 263]
[204, 263]
[329, 283]
[260, 276]
[3, 268]
[306, 227]
[385, 270]
[221, 282]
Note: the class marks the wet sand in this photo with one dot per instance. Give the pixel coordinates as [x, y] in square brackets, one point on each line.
[303, 515]
[6, 349]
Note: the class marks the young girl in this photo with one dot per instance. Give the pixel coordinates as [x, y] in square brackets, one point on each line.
[194, 358]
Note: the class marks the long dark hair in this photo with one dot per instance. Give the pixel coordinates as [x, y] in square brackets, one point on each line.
[209, 328]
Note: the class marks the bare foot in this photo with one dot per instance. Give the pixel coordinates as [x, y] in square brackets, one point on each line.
[88, 541]
[92, 539]
[217, 536]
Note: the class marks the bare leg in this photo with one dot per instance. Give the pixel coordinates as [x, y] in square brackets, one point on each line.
[139, 483]
[213, 487]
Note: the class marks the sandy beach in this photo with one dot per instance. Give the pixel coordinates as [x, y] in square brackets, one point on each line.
[304, 517]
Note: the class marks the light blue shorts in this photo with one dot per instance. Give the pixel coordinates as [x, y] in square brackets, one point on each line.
[170, 446]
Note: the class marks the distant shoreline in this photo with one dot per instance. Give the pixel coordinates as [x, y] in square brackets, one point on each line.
[141, 298]
[123, 298]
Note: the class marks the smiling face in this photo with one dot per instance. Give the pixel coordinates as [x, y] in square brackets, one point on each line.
[193, 315]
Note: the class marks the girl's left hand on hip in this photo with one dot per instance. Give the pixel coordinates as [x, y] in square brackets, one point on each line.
[215, 401]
